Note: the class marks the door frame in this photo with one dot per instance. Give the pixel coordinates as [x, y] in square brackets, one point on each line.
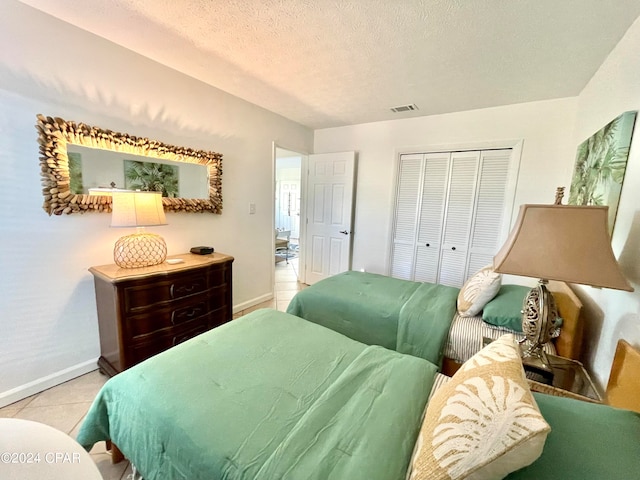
[304, 166]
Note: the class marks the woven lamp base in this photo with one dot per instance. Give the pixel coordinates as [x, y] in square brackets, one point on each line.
[140, 250]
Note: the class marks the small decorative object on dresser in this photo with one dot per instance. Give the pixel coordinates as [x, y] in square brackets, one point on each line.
[144, 311]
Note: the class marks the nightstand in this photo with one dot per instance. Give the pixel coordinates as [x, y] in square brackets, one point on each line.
[569, 379]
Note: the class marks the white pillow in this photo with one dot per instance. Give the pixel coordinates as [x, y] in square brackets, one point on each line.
[484, 423]
[478, 290]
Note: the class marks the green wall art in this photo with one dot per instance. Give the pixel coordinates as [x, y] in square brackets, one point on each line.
[601, 162]
[75, 173]
[151, 177]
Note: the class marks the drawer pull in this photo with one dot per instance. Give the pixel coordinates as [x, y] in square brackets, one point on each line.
[183, 338]
[186, 314]
[183, 289]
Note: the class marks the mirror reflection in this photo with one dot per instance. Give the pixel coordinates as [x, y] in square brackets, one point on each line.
[91, 168]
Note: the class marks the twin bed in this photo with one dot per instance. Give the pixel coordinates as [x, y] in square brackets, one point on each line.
[419, 319]
[274, 396]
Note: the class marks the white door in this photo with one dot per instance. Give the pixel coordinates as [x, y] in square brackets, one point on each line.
[329, 214]
[288, 206]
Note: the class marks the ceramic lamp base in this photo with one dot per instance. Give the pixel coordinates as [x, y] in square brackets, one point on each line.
[139, 250]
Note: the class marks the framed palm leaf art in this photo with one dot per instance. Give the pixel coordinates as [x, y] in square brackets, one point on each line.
[601, 162]
[151, 177]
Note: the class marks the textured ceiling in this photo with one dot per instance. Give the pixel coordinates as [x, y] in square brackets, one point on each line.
[327, 63]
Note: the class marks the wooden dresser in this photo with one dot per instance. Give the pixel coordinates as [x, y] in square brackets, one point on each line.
[144, 311]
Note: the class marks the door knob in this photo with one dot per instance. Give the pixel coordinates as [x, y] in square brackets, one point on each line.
[344, 232]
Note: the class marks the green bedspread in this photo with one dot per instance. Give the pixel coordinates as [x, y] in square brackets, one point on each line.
[586, 442]
[409, 317]
[263, 397]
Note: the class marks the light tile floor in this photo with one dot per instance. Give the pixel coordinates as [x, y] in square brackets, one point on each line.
[65, 405]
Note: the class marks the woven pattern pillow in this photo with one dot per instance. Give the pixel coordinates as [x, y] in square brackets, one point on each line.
[482, 424]
[478, 290]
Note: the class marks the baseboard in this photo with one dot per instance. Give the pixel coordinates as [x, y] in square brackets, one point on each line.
[252, 302]
[43, 383]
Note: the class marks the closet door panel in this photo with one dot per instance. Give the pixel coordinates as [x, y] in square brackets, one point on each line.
[408, 190]
[452, 268]
[427, 262]
[458, 219]
[432, 205]
[462, 183]
[489, 208]
[407, 197]
[434, 192]
[476, 262]
[403, 261]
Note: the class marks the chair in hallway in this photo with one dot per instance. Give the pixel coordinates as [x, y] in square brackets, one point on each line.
[282, 244]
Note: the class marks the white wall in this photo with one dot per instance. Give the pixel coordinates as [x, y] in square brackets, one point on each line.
[547, 157]
[614, 89]
[48, 324]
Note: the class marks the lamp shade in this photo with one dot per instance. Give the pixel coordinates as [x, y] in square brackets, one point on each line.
[137, 209]
[568, 243]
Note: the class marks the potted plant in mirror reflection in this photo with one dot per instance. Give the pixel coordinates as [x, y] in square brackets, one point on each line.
[151, 177]
[75, 173]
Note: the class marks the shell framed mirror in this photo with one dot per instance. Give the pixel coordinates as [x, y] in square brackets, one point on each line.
[81, 165]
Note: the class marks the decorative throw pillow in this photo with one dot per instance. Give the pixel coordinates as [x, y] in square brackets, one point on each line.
[505, 310]
[482, 424]
[478, 290]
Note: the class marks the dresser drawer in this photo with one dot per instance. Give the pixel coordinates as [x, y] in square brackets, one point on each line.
[140, 351]
[136, 326]
[141, 296]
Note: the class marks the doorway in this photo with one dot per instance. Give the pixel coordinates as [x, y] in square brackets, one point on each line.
[314, 198]
[287, 209]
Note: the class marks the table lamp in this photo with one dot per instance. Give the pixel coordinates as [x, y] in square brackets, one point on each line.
[138, 209]
[568, 243]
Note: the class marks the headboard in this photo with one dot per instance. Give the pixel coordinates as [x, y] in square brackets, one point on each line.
[569, 343]
[623, 389]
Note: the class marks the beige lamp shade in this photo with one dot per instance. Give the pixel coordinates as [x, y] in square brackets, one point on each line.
[562, 242]
[138, 209]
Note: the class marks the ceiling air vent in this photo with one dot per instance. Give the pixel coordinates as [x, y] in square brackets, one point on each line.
[404, 108]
